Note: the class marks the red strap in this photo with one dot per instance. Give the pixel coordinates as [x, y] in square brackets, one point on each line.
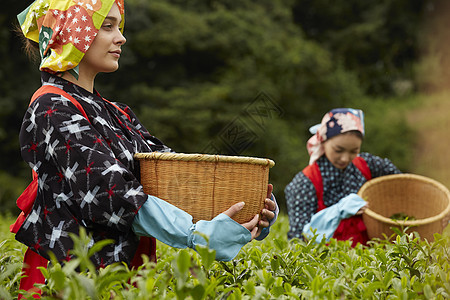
[362, 166]
[25, 203]
[119, 109]
[313, 173]
[31, 262]
[50, 89]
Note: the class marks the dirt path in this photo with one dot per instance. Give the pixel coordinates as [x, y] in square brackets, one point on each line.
[432, 152]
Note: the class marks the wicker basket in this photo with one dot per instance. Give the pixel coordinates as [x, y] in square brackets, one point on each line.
[417, 196]
[205, 185]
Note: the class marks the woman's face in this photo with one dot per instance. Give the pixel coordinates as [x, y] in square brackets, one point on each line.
[342, 149]
[104, 53]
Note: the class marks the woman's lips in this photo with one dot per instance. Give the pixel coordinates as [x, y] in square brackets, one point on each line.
[341, 165]
[116, 53]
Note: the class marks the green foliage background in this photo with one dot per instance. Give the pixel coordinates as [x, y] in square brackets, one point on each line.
[192, 69]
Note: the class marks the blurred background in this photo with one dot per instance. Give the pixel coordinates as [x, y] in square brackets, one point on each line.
[250, 77]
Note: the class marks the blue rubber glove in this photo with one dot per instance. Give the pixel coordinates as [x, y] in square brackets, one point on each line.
[265, 231]
[327, 220]
[173, 226]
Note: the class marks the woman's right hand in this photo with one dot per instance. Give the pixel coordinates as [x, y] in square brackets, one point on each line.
[250, 225]
[362, 209]
[173, 226]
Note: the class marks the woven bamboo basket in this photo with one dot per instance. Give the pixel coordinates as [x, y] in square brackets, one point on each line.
[422, 198]
[205, 185]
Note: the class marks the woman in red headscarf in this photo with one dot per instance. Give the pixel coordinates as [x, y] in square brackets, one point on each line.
[80, 147]
[322, 197]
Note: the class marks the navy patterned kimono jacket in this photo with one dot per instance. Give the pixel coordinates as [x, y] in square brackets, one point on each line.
[86, 172]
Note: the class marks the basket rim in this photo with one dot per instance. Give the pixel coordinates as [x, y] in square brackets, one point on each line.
[197, 157]
[429, 220]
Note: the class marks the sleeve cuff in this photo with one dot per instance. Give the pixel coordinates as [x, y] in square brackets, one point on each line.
[226, 236]
[265, 231]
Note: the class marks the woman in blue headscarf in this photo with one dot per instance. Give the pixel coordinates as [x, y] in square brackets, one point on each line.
[322, 197]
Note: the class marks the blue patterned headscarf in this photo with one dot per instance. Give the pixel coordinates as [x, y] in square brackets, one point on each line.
[334, 122]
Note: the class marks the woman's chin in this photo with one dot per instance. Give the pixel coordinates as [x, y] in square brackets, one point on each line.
[111, 69]
[341, 166]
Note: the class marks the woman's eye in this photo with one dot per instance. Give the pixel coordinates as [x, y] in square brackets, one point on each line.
[107, 26]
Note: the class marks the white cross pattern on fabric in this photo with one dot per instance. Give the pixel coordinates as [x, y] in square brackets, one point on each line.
[100, 121]
[63, 99]
[125, 153]
[104, 123]
[41, 182]
[112, 168]
[91, 101]
[115, 218]
[33, 218]
[89, 197]
[36, 166]
[56, 234]
[91, 243]
[62, 198]
[51, 149]
[70, 173]
[132, 193]
[73, 127]
[32, 117]
[48, 134]
[85, 148]
[117, 249]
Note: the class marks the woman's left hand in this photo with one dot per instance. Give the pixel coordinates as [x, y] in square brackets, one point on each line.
[267, 213]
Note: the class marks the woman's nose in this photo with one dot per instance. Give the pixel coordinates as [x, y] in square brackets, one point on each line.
[345, 158]
[120, 39]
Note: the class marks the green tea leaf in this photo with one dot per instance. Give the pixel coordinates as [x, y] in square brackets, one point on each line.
[183, 261]
[198, 292]
[428, 292]
[249, 287]
[208, 255]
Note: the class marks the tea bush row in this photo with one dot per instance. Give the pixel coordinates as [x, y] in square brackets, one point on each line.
[405, 268]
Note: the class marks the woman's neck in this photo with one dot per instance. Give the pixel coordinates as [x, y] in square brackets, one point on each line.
[86, 82]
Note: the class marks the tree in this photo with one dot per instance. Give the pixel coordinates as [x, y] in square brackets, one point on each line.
[216, 76]
[379, 40]
[193, 71]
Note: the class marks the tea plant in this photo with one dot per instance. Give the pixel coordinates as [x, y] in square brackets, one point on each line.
[406, 267]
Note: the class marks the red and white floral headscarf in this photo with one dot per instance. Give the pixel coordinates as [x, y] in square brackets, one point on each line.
[334, 122]
[65, 29]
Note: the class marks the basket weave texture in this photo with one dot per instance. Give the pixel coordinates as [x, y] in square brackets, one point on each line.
[205, 185]
[425, 199]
